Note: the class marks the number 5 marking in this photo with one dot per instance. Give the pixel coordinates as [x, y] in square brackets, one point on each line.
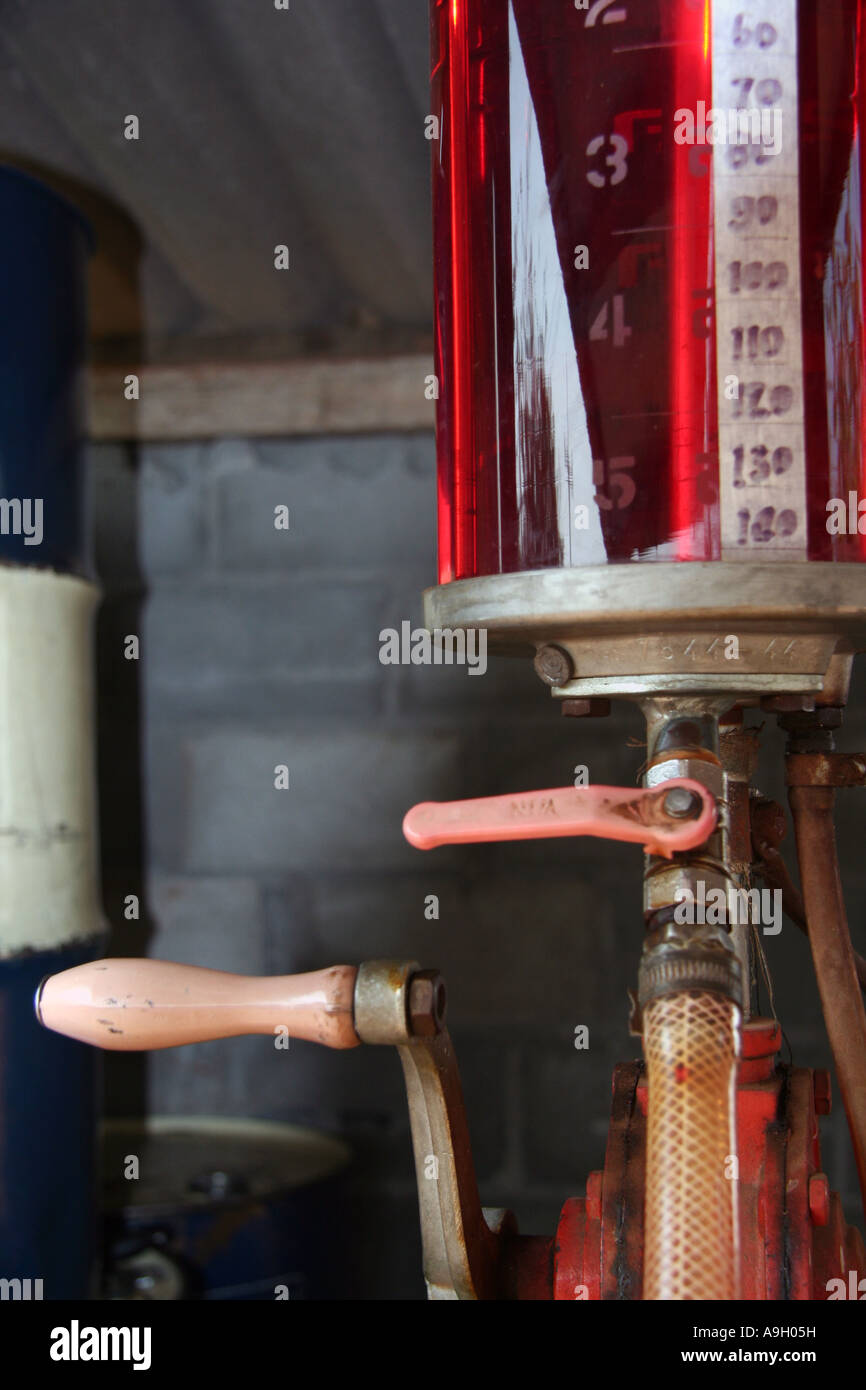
[618, 160]
[615, 16]
[618, 481]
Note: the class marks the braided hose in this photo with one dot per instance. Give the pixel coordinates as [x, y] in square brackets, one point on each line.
[691, 1044]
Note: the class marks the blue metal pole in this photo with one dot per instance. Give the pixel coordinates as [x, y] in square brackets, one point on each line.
[50, 916]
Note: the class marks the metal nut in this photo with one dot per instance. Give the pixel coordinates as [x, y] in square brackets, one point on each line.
[589, 708]
[682, 804]
[788, 704]
[426, 1004]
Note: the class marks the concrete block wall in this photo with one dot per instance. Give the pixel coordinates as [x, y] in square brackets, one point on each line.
[260, 647]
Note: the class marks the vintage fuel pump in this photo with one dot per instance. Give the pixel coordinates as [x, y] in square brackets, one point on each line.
[650, 356]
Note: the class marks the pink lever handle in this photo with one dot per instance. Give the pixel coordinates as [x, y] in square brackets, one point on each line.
[137, 1005]
[613, 813]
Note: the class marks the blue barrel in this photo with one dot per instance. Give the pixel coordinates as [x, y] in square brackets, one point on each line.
[49, 1095]
[43, 290]
[50, 916]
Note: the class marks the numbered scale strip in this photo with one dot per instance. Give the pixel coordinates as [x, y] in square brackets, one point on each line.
[762, 444]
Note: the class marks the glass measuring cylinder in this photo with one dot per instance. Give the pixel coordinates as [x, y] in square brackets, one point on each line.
[648, 228]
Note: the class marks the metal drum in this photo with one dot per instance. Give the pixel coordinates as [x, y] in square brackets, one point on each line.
[222, 1209]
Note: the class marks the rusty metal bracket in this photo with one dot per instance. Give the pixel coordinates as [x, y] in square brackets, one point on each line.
[397, 1003]
[825, 770]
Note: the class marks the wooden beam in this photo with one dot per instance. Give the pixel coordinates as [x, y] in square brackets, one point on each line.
[309, 396]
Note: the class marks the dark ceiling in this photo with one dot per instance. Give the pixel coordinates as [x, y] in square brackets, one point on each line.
[258, 127]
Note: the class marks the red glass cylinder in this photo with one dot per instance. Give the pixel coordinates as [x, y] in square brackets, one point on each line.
[592, 306]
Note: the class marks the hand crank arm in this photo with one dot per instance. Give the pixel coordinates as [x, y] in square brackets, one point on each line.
[461, 1246]
[126, 1005]
[613, 813]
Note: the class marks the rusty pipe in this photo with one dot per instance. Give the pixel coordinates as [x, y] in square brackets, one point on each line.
[774, 871]
[833, 955]
[768, 832]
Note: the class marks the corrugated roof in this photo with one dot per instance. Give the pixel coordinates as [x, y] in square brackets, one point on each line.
[258, 127]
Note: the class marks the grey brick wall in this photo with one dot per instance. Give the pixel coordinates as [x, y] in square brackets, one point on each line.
[260, 647]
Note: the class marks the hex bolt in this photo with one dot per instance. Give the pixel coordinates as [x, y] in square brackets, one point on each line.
[554, 665]
[819, 1199]
[589, 708]
[426, 1004]
[682, 804]
[811, 732]
[788, 704]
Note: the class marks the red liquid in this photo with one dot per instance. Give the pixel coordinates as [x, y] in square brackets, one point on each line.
[562, 388]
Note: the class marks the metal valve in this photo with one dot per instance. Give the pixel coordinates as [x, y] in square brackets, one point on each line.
[673, 816]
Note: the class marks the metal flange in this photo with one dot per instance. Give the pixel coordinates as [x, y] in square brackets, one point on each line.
[633, 629]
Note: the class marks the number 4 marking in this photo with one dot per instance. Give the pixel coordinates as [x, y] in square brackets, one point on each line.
[621, 330]
[615, 16]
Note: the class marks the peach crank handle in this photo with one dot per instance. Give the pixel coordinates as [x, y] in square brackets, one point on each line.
[129, 1005]
[675, 815]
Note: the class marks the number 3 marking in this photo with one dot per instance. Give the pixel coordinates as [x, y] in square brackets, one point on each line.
[618, 160]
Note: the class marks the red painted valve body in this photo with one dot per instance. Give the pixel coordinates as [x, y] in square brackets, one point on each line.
[793, 1235]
